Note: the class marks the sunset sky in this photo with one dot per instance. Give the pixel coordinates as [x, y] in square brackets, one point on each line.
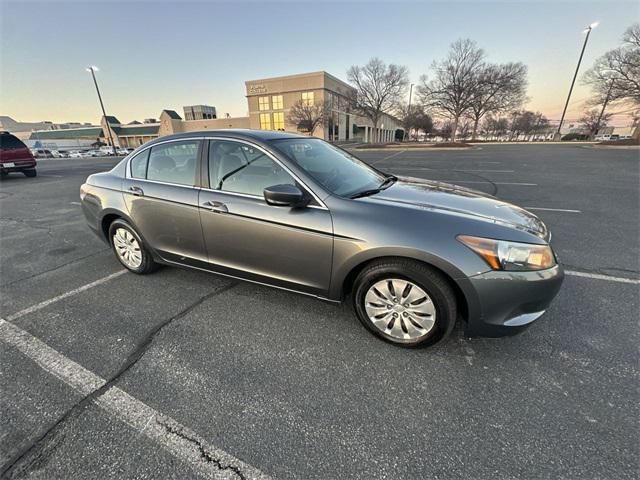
[155, 55]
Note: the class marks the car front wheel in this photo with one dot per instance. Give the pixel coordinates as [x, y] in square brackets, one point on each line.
[405, 302]
[30, 173]
[130, 249]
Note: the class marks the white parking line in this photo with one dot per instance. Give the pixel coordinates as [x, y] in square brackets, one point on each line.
[41, 305]
[487, 171]
[486, 182]
[387, 157]
[177, 439]
[599, 276]
[544, 209]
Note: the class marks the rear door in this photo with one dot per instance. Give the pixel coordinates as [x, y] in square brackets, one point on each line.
[161, 194]
[246, 237]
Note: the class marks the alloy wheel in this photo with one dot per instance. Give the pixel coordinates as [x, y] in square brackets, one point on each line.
[127, 248]
[400, 309]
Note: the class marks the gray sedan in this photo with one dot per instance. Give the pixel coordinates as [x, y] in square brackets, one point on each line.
[294, 212]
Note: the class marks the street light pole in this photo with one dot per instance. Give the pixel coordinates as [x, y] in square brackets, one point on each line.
[93, 69]
[604, 105]
[409, 107]
[575, 75]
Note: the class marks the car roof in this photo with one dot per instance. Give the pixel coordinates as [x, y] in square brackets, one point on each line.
[238, 133]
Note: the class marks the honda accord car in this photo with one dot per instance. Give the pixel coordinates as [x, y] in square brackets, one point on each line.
[295, 212]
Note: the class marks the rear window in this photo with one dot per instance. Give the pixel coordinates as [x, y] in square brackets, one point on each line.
[9, 142]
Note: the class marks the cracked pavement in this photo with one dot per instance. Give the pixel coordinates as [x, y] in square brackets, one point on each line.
[297, 388]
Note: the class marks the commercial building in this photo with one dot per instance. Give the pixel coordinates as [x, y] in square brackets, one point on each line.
[269, 102]
[199, 112]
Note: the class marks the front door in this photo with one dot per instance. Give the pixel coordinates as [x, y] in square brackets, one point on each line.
[163, 202]
[246, 237]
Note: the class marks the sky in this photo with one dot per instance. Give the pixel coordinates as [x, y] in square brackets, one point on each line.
[166, 54]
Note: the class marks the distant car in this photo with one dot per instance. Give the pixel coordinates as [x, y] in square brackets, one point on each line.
[75, 154]
[603, 138]
[43, 153]
[105, 151]
[63, 153]
[122, 151]
[92, 153]
[15, 156]
[301, 214]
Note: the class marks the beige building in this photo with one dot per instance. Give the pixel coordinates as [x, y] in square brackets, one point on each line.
[270, 99]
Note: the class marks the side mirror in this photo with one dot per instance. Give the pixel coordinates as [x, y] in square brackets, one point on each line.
[284, 196]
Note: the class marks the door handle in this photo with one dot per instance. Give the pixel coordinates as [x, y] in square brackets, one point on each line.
[137, 191]
[214, 206]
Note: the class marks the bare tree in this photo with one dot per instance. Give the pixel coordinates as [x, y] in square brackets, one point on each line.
[592, 121]
[451, 91]
[415, 118]
[528, 124]
[500, 88]
[495, 127]
[379, 87]
[308, 117]
[616, 74]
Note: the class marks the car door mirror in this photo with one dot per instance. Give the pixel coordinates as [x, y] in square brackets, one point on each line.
[284, 196]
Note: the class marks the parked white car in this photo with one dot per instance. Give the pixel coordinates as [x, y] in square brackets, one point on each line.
[75, 154]
[603, 138]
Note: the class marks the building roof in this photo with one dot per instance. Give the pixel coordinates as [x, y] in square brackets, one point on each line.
[90, 132]
[172, 114]
[141, 129]
[111, 119]
[300, 75]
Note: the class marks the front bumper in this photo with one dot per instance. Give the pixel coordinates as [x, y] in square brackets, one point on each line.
[508, 302]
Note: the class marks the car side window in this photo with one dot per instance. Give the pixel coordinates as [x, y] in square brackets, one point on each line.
[174, 162]
[139, 164]
[241, 168]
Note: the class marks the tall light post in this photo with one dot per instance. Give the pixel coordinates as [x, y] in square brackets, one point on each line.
[409, 107]
[604, 105]
[93, 69]
[575, 75]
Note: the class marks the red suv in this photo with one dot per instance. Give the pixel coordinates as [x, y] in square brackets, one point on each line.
[15, 156]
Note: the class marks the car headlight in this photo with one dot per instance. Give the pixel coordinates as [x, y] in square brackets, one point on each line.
[504, 255]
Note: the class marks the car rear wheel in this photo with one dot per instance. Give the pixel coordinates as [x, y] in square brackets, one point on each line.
[130, 249]
[30, 173]
[405, 302]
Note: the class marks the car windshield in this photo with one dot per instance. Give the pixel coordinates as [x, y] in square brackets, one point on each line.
[338, 171]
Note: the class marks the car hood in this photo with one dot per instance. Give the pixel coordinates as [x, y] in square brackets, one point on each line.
[445, 197]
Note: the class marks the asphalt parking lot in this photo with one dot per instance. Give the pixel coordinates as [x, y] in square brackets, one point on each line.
[183, 374]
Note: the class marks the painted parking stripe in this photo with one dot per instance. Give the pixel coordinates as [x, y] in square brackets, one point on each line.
[495, 183]
[544, 209]
[70, 293]
[599, 276]
[387, 157]
[486, 171]
[179, 440]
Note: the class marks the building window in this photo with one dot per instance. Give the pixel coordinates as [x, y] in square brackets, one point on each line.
[307, 98]
[278, 120]
[276, 101]
[263, 103]
[265, 121]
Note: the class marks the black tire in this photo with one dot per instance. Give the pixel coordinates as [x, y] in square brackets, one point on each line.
[434, 283]
[148, 265]
[30, 173]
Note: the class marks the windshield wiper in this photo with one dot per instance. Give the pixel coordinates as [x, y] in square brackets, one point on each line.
[390, 180]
